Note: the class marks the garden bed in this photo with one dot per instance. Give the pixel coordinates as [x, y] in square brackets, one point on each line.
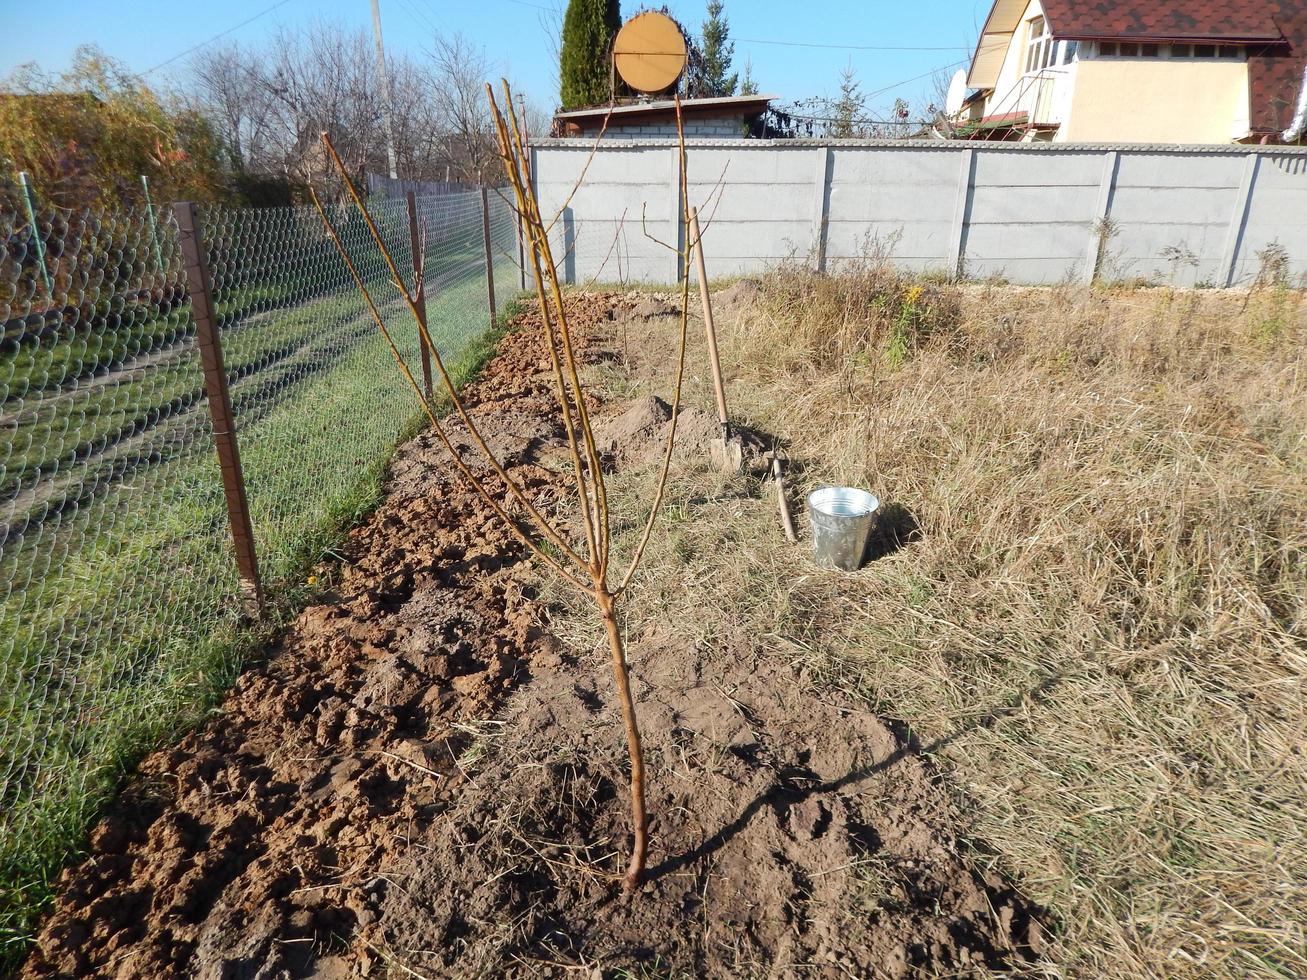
[427, 776]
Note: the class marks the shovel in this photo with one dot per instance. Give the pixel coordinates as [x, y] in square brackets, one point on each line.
[726, 451]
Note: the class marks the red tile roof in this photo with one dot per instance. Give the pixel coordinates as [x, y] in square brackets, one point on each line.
[1275, 72]
[1275, 65]
[1164, 20]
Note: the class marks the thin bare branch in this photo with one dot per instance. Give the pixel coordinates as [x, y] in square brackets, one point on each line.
[680, 365]
[545, 527]
[510, 162]
[644, 226]
[569, 355]
[426, 405]
[617, 234]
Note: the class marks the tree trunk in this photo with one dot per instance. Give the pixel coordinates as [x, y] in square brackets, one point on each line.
[639, 819]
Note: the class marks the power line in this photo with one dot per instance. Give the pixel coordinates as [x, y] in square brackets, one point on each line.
[248, 20]
[846, 47]
[917, 78]
[418, 14]
[794, 44]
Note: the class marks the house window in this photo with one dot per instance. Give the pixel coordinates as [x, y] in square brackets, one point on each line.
[1231, 51]
[1069, 49]
[1131, 49]
[1128, 49]
[1040, 45]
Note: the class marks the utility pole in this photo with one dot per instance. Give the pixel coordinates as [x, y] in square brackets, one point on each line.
[385, 89]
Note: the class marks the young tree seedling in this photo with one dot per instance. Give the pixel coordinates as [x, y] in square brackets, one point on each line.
[586, 566]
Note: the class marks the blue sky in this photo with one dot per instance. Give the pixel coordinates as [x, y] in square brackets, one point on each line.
[144, 33]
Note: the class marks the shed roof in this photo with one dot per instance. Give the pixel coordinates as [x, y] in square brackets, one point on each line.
[689, 107]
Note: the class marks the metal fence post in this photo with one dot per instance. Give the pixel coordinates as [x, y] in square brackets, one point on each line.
[490, 262]
[154, 230]
[30, 203]
[200, 287]
[419, 279]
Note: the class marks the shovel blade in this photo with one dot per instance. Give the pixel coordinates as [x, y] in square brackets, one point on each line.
[727, 455]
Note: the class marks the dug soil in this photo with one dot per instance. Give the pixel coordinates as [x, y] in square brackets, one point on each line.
[423, 781]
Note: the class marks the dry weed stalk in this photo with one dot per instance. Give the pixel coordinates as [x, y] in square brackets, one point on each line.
[586, 567]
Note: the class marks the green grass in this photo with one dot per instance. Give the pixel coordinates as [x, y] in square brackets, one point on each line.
[53, 435]
[122, 611]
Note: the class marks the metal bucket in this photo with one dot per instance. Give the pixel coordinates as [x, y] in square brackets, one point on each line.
[841, 519]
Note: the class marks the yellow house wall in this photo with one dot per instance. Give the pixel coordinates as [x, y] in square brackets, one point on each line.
[1158, 101]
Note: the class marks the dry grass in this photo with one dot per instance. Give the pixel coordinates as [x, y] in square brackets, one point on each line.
[1098, 629]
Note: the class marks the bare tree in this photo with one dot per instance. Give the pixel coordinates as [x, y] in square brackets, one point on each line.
[417, 119]
[325, 80]
[269, 105]
[227, 89]
[460, 70]
[550, 20]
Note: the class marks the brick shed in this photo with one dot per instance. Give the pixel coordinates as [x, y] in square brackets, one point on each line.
[725, 118]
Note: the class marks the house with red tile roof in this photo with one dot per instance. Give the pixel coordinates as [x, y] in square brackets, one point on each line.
[1140, 71]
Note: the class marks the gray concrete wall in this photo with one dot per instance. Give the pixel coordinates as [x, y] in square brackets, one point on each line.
[1028, 213]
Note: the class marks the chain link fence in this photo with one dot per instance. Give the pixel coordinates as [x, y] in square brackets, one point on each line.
[120, 605]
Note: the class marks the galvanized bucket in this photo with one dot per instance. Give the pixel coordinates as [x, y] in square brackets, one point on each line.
[841, 519]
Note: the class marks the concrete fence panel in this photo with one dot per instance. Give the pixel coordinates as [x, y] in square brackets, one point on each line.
[1030, 216]
[1171, 214]
[1029, 213]
[904, 201]
[1276, 214]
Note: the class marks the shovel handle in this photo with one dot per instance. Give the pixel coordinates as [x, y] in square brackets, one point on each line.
[710, 328]
[786, 519]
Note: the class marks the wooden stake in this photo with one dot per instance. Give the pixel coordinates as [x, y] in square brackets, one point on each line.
[719, 389]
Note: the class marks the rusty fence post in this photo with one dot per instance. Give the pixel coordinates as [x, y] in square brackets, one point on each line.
[200, 288]
[490, 262]
[419, 279]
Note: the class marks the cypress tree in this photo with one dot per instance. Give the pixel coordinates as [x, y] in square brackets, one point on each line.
[588, 30]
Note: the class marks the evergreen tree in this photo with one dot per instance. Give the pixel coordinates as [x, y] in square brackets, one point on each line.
[710, 79]
[588, 31]
[847, 123]
[747, 85]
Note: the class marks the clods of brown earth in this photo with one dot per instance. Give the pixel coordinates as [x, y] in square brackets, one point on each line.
[423, 781]
[639, 433]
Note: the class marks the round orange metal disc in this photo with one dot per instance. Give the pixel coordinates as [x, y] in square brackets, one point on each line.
[649, 52]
